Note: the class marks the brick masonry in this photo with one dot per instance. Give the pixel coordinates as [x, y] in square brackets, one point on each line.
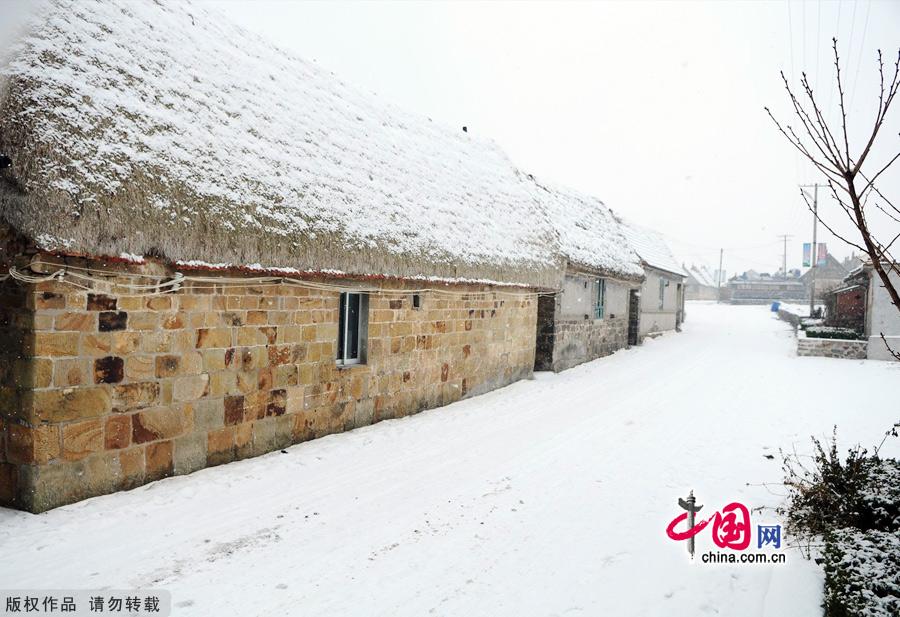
[102, 392]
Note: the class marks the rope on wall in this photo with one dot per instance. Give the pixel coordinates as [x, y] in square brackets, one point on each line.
[90, 279]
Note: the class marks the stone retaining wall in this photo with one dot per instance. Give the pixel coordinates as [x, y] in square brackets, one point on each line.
[831, 348]
[103, 392]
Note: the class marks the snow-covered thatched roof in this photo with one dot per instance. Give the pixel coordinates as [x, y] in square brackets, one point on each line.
[589, 233]
[160, 128]
[652, 249]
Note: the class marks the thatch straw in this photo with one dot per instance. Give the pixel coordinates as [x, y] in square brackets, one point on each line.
[252, 157]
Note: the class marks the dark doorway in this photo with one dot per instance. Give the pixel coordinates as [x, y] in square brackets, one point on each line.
[546, 331]
[679, 315]
[634, 308]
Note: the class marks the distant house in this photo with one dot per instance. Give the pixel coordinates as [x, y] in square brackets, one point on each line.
[752, 287]
[701, 283]
[828, 276]
[662, 292]
[851, 263]
[596, 311]
[862, 302]
[212, 249]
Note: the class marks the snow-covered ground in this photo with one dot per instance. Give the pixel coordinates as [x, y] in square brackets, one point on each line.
[548, 497]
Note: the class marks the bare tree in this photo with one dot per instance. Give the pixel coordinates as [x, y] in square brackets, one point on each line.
[850, 187]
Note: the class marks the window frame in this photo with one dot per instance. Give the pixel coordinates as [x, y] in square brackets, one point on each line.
[344, 327]
[662, 293]
[600, 304]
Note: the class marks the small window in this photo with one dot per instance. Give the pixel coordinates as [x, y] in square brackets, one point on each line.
[417, 301]
[662, 293]
[352, 322]
[601, 299]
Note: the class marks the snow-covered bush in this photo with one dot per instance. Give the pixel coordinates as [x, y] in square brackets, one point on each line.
[829, 494]
[862, 573]
[853, 505]
[832, 332]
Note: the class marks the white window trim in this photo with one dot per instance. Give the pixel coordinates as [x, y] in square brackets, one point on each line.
[344, 360]
[600, 307]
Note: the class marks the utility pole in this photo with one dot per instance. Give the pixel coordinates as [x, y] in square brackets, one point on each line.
[784, 237]
[719, 278]
[814, 252]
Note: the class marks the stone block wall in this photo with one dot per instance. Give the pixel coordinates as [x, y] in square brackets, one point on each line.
[579, 341]
[102, 392]
[831, 348]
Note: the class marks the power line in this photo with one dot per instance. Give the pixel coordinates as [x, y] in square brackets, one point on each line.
[862, 49]
[818, 38]
[837, 31]
[791, 35]
[852, 30]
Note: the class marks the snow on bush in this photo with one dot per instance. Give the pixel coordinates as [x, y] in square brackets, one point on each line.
[832, 332]
[854, 505]
[862, 573]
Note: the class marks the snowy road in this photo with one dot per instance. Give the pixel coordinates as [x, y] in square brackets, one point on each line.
[549, 497]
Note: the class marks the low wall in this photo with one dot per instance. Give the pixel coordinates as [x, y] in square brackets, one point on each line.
[579, 341]
[831, 348]
[107, 392]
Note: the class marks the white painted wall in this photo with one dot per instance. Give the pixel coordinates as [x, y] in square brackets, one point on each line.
[579, 296]
[882, 317]
[654, 318]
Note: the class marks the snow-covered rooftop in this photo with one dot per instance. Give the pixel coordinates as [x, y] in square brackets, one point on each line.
[589, 233]
[702, 274]
[652, 248]
[161, 128]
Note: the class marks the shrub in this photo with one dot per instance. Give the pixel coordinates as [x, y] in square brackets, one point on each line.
[862, 573]
[832, 494]
[832, 332]
[853, 504]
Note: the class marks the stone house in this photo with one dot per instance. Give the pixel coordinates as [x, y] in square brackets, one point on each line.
[222, 250]
[596, 310]
[662, 291]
